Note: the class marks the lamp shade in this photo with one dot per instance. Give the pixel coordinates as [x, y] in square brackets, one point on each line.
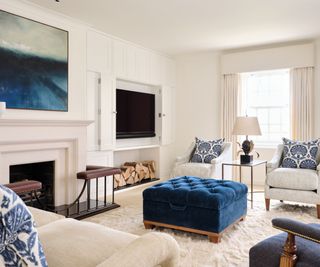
[246, 126]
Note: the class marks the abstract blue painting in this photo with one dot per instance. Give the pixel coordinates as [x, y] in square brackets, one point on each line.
[33, 64]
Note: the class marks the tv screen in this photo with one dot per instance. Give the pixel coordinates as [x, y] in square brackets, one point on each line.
[135, 114]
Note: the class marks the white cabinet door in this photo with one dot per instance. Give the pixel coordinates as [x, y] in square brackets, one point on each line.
[168, 115]
[108, 112]
[99, 52]
[93, 88]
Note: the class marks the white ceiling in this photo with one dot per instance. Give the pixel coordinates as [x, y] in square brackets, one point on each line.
[181, 26]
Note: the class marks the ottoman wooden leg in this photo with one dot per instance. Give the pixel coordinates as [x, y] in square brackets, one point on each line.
[267, 204]
[148, 225]
[215, 238]
[318, 211]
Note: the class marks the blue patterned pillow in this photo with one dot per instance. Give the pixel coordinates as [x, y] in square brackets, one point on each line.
[205, 151]
[19, 242]
[297, 154]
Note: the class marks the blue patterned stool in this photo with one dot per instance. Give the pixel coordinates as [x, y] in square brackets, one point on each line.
[203, 206]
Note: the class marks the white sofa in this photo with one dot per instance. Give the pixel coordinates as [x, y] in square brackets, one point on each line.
[68, 242]
[183, 166]
[298, 185]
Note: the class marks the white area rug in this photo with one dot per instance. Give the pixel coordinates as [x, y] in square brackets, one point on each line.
[196, 250]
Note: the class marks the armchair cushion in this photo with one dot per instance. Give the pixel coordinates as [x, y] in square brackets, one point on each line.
[193, 169]
[297, 179]
[297, 154]
[205, 151]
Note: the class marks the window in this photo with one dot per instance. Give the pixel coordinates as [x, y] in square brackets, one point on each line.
[265, 94]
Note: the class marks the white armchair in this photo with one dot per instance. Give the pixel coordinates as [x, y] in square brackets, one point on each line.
[184, 167]
[298, 185]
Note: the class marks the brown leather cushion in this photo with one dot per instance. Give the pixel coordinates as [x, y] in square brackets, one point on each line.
[24, 186]
[93, 172]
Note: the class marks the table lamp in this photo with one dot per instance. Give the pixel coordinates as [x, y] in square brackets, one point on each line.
[2, 107]
[246, 126]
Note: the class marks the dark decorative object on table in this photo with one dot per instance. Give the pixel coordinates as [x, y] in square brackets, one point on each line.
[246, 126]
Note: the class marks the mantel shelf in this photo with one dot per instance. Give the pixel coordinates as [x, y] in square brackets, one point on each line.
[136, 147]
[46, 123]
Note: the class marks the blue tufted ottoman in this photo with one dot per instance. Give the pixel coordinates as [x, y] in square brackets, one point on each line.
[203, 206]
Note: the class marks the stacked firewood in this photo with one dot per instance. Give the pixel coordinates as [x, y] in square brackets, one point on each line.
[135, 172]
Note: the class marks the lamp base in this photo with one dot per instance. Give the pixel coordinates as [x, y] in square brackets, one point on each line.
[245, 159]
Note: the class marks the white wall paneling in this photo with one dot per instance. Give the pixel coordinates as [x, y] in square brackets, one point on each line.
[137, 64]
[156, 69]
[142, 65]
[120, 59]
[169, 72]
[99, 52]
[130, 63]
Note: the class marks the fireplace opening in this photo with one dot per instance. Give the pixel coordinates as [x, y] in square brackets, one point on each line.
[39, 171]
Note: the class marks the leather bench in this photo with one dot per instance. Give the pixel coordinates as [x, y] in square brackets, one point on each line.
[24, 186]
[28, 188]
[203, 206]
[91, 207]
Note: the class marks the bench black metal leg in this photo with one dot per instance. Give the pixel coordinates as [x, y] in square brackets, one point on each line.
[97, 192]
[31, 198]
[105, 191]
[88, 195]
[112, 189]
[38, 200]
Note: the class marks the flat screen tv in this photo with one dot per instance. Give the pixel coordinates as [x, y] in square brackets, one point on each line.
[135, 114]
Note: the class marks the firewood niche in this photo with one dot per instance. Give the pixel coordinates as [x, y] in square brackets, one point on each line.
[133, 173]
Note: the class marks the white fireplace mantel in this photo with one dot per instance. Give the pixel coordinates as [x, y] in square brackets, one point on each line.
[62, 141]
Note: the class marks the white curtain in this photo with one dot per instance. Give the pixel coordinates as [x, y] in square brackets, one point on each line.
[230, 108]
[301, 92]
